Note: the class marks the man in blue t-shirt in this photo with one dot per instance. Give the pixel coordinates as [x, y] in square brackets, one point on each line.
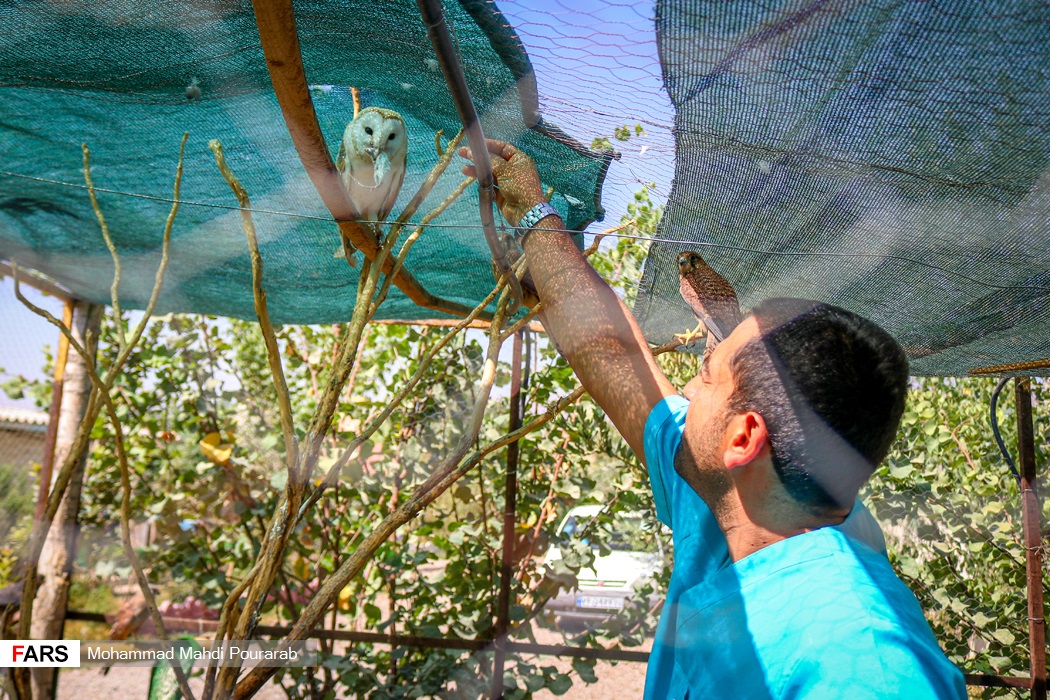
[781, 587]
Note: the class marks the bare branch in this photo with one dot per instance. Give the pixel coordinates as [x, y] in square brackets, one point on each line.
[428, 184]
[410, 241]
[41, 527]
[125, 481]
[333, 473]
[114, 290]
[158, 280]
[273, 353]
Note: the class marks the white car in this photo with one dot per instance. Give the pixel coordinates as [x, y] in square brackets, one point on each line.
[605, 587]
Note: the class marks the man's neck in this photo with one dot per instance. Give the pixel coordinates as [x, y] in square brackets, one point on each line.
[749, 530]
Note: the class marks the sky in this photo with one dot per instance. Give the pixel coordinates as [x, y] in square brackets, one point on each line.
[597, 68]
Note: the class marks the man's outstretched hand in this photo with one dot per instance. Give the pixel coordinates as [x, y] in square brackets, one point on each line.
[517, 180]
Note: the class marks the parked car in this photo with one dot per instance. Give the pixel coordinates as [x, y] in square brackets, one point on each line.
[605, 587]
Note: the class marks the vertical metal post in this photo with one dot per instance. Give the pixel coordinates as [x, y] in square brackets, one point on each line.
[509, 509]
[1032, 540]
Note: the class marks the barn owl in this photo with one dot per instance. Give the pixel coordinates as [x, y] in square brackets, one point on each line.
[372, 162]
[711, 297]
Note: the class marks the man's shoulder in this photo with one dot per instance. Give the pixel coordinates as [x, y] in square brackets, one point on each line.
[820, 611]
[843, 612]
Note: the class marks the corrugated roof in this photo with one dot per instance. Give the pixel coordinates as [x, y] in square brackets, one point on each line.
[10, 417]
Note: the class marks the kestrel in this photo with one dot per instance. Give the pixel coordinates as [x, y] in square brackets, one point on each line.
[712, 299]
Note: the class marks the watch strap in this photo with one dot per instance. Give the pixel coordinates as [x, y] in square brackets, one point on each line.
[532, 217]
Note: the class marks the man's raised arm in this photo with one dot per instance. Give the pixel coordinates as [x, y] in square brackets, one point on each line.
[591, 327]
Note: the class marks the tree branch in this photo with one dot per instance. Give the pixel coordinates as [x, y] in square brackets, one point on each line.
[273, 353]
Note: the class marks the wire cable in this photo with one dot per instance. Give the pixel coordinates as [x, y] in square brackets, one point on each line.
[653, 239]
[995, 429]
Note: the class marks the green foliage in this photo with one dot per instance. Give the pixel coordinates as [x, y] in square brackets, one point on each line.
[17, 386]
[949, 507]
[951, 512]
[621, 133]
[17, 497]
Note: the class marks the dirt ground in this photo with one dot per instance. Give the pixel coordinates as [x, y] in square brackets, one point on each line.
[624, 680]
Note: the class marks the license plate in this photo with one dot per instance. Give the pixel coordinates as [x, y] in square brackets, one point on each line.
[601, 602]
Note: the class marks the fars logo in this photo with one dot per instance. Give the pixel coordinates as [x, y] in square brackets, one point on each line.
[44, 652]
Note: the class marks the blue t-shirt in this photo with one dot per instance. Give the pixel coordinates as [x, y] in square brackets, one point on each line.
[819, 615]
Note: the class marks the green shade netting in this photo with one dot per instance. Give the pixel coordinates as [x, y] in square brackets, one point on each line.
[115, 75]
[888, 157]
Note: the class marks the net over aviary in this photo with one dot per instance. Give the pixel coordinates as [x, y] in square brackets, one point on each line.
[887, 157]
[129, 78]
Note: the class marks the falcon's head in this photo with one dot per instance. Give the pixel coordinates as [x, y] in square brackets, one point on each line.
[690, 261]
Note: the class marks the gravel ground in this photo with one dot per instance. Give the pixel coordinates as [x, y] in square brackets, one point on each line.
[125, 684]
[624, 680]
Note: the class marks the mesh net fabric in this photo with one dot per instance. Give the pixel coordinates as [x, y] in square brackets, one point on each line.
[887, 157]
[119, 76]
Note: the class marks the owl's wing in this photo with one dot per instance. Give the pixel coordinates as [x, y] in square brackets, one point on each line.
[394, 191]
[340, 159]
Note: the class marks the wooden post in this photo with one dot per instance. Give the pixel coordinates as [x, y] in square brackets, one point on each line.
[47, 464]
[60, 547]
[1032, 540]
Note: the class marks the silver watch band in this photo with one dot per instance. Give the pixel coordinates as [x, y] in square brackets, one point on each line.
[532, 217]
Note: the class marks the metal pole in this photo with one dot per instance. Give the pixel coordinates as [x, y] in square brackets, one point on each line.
[433, 16]
[509, 509]
[1032, 541]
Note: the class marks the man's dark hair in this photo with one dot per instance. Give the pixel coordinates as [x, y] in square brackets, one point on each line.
[830, 386]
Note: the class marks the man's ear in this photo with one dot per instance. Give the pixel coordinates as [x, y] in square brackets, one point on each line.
[747, 438]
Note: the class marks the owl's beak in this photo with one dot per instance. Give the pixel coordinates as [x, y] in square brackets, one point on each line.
[373, 153]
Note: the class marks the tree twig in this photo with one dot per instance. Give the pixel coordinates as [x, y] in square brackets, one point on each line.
[410, 241]
[125, 481]
[158, 279]
[273, 353]
[333, 472]
[114, 290]
[38, 534]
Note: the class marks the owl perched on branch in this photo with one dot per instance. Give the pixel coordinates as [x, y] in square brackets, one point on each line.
[711, 297]
[372, 160]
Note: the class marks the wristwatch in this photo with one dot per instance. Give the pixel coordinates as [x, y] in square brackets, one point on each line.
[532, 217]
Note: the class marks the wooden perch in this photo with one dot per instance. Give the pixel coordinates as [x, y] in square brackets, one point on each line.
[280, 41]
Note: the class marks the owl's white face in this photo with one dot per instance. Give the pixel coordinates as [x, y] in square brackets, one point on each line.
[372, 160]
[376, 136]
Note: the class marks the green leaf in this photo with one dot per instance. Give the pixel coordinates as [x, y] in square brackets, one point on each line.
[1004, 636]
[372, 612]
[559, 684]
[585, 669]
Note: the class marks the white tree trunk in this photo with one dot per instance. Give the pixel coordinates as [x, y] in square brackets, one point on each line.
[60, 548]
